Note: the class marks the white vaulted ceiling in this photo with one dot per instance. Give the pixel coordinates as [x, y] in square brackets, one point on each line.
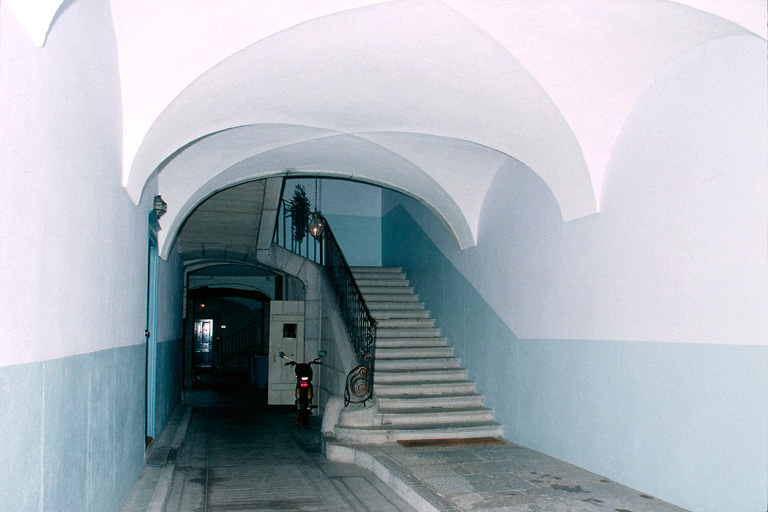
[429, 97]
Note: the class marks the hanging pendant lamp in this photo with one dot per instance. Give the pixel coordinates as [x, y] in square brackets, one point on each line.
[317, 223]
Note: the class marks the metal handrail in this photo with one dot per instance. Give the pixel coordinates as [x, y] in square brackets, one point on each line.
[360, 324]
[240, 342]
[309, 247]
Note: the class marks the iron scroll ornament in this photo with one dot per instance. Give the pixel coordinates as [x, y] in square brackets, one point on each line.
[358, 388]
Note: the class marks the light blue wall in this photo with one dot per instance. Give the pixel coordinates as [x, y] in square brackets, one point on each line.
[73, 428]
[72, 431]
[354, 212]
[169, 380]
[359, 238]
[685, 422]
[170, 349]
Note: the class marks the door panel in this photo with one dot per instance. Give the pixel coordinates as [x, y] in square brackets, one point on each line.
[203, 356]
[286, 333]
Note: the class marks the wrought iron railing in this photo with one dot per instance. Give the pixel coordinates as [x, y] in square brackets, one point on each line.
[247, 339]
[360, 324]
[285, 230]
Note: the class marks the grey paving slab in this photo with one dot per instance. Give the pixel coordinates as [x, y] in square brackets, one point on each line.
[143, 489]
[507, 477]
[241, 455]
[188, 491]
[368, 494]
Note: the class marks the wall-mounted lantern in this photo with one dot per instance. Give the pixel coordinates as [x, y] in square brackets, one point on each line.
[159, 207]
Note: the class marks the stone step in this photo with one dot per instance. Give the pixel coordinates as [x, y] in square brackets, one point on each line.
[393, 433]
[390, 277]
[412, 353]
[417, 363]
[463, 400]
[390, 305]
[376, 270]
[388, 280]
[436, 341]
[390, 297]
[386, 314]
[409, 332]
[431, 416]
[384, 323]
[423, 388]
[385, 290]
[368, 282]
[441, 374]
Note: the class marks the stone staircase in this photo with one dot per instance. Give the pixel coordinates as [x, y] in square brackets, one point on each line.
[422, 392]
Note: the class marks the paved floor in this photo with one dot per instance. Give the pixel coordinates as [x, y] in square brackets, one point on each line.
[226, 450]
[238, 454]
[500, 478]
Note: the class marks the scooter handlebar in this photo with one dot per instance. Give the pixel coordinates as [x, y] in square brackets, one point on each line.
[291, 362]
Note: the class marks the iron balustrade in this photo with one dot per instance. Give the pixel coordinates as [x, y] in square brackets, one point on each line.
[245, 340]
[360, 324]
[285, 229]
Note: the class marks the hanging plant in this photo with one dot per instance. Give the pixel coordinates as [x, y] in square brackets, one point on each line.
[299, 211]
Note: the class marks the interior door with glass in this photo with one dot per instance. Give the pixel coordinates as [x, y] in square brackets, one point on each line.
[203, 355]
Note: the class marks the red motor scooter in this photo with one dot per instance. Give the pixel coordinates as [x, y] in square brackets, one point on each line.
[303, 386]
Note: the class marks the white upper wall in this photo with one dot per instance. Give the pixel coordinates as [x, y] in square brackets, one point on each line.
[677, 253]
[73, 246]
[427, 97]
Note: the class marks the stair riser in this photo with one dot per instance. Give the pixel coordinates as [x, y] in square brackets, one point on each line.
[381, 280]
[457, 402]
[425, 332]
[417, 364]
[390, 297]
[376, 270]
[370, 281]
[428, 388]
[413, 353]
[405, 323]
[387, 306]
[383, 377]
[409, 342]
[383, 314]
[385, 290]
[363, 436]
[437, 418]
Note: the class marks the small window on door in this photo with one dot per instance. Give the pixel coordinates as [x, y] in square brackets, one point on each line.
[289, 330]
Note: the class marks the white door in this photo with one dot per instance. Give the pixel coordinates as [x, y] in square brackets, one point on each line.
[286, 334]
